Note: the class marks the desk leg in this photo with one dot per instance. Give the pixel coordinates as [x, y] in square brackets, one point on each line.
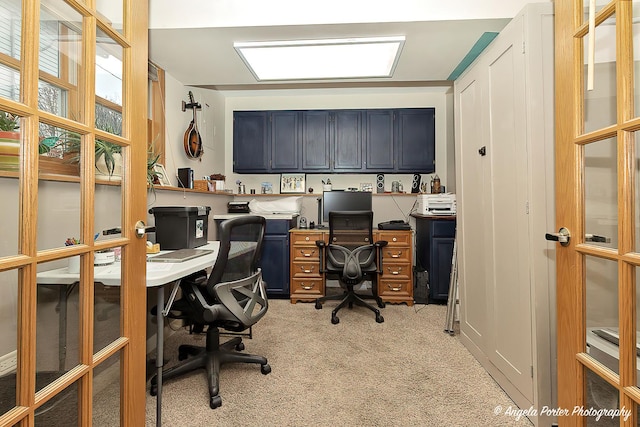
[159, 353]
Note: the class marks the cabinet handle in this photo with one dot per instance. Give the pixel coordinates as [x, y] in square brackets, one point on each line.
[307, 254]
[307, 288]
[306, 270]
[394, 289]
[394, 272]
[392, 255]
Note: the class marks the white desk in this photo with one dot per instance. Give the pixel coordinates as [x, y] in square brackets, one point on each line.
[158, 275]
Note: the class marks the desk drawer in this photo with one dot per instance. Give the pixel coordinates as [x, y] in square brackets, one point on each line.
[306, 238]
[401, 289]
[396, 271]
[395, 238]
[396, 254]
[305, 253]
[305, 269]
[311, 287]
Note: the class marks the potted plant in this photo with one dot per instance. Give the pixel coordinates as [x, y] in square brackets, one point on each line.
[9, 141]
[108, 156]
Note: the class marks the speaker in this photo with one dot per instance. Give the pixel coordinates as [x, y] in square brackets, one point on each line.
[303, 222]
[415, 185]
[380, 183]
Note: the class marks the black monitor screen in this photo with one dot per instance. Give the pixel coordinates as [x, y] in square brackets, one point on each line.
[344, 201]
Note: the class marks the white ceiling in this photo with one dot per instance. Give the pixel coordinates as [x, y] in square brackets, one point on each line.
[194, 42]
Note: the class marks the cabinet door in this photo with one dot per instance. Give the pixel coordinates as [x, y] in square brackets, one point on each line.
[284, 141]
[315, 141]
[250, 141]
[415, 140]
[379, 137]
[439, 275]
[347, 140]
[275, 265]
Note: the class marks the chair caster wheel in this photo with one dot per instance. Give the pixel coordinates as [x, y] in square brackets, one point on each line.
[318, 305]
[153, 391]
[215, 402]
[240, 346]
[379, 318]
[381, 304]
[335, 320]
[265, 369]
[182, 354]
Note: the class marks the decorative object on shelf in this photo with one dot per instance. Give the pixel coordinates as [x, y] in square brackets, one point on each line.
[366, 186]
[192, 141]
[326, 186]
[292, 183]
[241, 187]
[266, 188]
[435, 185]
[380, 183]
[161, 175]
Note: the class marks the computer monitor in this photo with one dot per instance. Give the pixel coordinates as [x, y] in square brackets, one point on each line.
[345, 201]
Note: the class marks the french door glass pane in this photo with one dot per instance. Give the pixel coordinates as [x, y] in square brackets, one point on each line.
[107, 310]
[10, 37]
[108, 208]
[57, 328]
[60, 59]
[106, 393]
[61, 410]
[600, 103]
[8, 338]
[600, 395]
[9, 188]
[601, 190]
[112, 11]
[602, 311]
[59, 202]
[109, 69]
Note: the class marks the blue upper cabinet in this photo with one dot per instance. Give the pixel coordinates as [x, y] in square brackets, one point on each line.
[415, 140]
[379, 135]
[251, 141]
[284, 140]
[335, 141]
[316, 141]
[346, 140]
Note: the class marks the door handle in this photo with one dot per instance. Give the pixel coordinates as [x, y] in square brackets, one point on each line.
[141, 229]
[562, 236]
[596, 238]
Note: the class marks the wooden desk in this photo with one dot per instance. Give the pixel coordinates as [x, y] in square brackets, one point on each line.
[395, 285]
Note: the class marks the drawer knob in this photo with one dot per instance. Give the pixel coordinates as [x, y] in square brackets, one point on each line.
[306, 238]
[306, 270]
[394, 289]
[395, 239]
[307, 288]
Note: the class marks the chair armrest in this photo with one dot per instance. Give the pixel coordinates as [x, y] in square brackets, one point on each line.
[322, 245]
[379, 245]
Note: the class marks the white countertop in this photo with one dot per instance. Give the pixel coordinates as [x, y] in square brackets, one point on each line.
[266, 216]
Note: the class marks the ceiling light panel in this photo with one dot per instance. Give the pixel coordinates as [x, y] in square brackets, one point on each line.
[322, 59]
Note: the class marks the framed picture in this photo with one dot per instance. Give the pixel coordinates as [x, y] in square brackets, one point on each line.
[163, 177]
[293, 183]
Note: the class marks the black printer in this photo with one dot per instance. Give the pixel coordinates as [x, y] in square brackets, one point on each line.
[238, 207]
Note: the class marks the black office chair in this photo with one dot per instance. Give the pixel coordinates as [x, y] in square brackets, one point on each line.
[233, 297]
[352, 257]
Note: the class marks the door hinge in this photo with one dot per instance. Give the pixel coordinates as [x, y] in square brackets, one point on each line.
[523, 46]
[527, 207]
[531, 371]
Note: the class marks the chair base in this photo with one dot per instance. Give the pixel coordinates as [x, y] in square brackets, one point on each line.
[350, 297]
[210, 359]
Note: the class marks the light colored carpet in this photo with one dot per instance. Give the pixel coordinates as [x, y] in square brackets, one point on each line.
[404, 372]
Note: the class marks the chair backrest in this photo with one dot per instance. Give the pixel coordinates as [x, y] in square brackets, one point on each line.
[351, 229]
[240, 249]
[350, 250]
[235, 280]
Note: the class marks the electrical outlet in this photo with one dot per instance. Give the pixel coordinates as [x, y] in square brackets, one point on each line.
[8, 363]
